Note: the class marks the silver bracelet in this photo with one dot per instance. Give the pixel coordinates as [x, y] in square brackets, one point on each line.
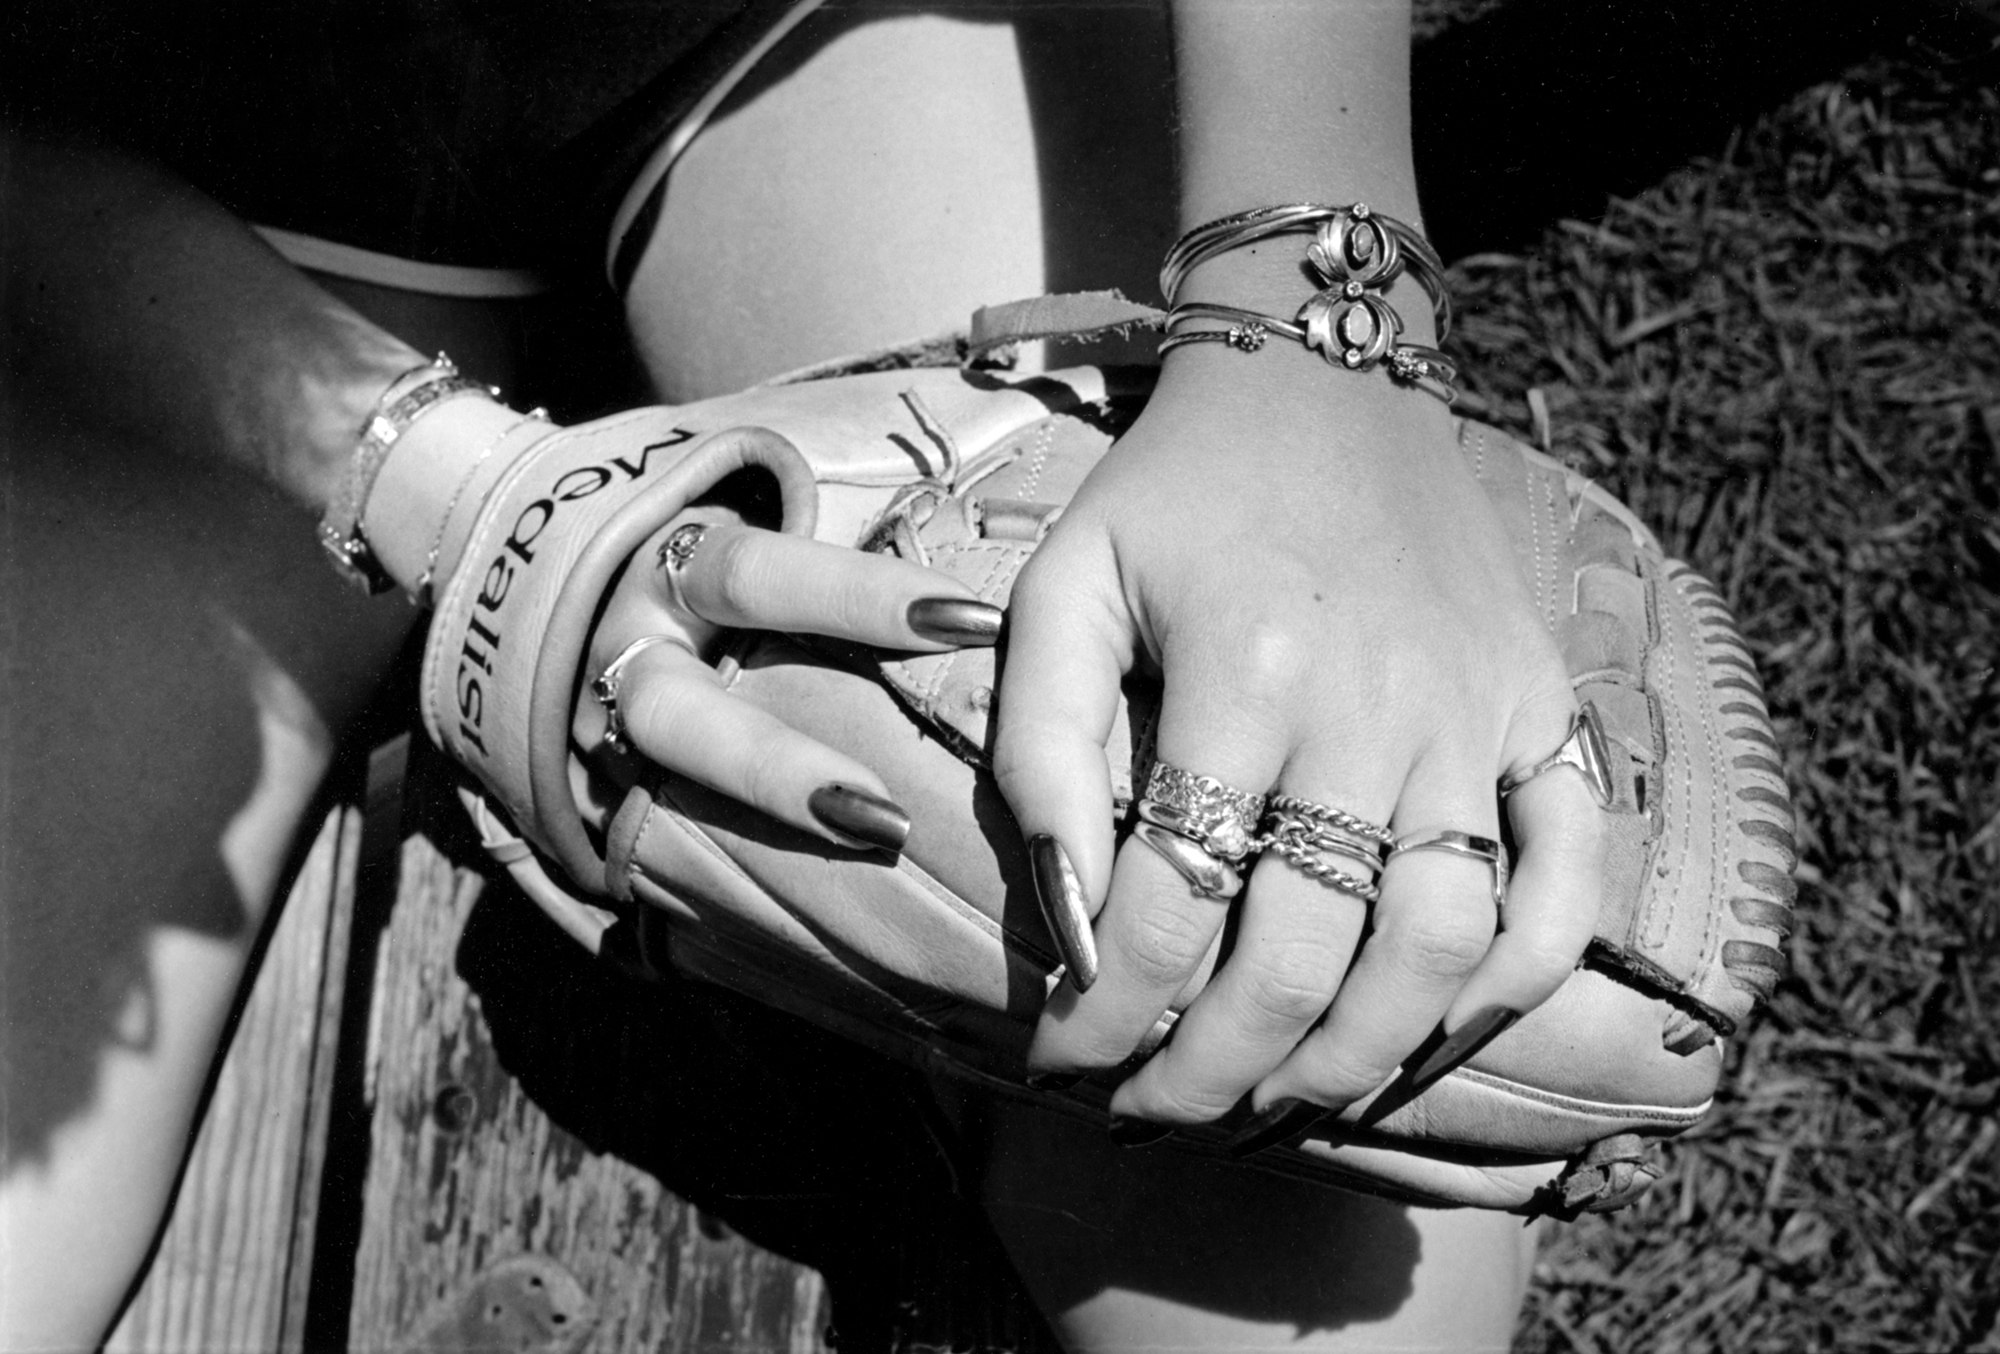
[1352, 244]
[1424, 367]
[401, 405]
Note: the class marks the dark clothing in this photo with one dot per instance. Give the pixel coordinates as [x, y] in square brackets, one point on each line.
[494, 133]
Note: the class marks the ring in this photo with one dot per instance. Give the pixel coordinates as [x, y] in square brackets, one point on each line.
[1306, 861]
[1586, 748]
[605, 685]
[680, 545]
[1207, 876]
[1304, 834]
[1334, 818]
[1459, 844]
[1219, 818]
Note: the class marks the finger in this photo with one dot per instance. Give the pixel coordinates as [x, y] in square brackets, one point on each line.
[1431, 927]
[1292, 946]
[676, 714]
[1298, 935]
[1155, 928]
[748, 578]
[1552, 897]
[1059, 694]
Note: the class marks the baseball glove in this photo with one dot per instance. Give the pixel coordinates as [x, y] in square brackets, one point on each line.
[940, 957]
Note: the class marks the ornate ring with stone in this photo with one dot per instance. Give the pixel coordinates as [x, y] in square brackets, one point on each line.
[680, 545]
[1219, 818]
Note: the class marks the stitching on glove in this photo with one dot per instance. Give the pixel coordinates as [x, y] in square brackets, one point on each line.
[1703, 597]
[1545, 574]
[1038, 459]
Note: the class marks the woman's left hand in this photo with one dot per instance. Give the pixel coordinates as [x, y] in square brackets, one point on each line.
[1337, 613]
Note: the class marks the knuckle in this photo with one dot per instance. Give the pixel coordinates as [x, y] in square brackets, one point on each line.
[1577, 839]
[1162, 948]
[729, 574]
[766, 770]
[1173, 1099]
[1544, 958]
[1021, 752]
[1291, 985]
[1447, 942]
[1337, 1075]
[1272, 658]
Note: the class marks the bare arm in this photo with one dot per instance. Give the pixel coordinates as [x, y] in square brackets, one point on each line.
[136, 305]
[1300, 552]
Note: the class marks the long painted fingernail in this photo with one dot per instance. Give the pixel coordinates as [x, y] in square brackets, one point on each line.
[1127, 1131]
[1462, 1043]
[1053, 1081]
[1276, 1122]
[1060, 893]
[868, 819]
[954, 620]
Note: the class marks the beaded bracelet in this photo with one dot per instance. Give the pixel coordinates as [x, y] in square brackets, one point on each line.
[401, 405]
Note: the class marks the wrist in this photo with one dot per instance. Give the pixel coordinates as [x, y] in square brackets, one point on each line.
[427, 494]
[1273, 278]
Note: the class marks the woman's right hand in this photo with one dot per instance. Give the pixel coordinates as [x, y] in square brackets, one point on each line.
[706, 573]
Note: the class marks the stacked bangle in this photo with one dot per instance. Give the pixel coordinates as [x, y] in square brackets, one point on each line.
[1356, 254]
[1426, 368]
[407, 399]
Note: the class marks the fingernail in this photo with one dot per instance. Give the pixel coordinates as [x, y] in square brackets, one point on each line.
[1462, 1043]
[954, 620]
[868, 819]
[1129, 1132]
[1060, 893]
[1277, 1121]
[1053, 1081]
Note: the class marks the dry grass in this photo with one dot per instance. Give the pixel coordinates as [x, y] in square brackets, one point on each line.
[1787, 358]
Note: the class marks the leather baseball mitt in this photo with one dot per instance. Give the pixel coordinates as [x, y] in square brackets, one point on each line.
[940, 956]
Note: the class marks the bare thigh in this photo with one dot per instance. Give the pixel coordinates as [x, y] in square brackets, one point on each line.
[887, 172]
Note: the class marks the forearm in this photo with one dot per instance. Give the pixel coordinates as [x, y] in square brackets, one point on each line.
[1292, 101]
[134, 305]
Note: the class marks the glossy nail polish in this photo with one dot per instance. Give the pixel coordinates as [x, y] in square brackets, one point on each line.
[1053, 1081]
[869, 820]
[1275, 1123]
[956, 621]
[1462, 1043]
[1060, 893]
[1127, 1131]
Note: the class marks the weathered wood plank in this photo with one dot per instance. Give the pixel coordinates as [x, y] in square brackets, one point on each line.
[225, 1275]
[466, 1171]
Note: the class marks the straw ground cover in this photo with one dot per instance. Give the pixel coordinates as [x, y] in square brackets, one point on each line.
[1786, 357]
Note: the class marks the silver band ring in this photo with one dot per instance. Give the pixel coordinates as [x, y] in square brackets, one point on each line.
[1365, 854]
[605, 686]
[1459, 844]
[1335, 818]
[1206, 875]
[680, 545]
[1315, 866]
[1299, 838]
[1217, 817]
[1586, 748]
